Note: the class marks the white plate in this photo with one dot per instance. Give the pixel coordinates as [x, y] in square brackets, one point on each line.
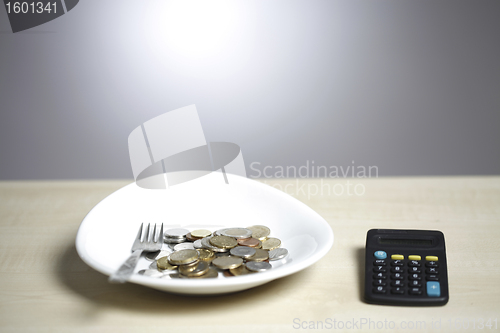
[106, 234]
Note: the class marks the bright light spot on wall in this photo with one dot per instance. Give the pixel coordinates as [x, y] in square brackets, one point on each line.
[190, 28]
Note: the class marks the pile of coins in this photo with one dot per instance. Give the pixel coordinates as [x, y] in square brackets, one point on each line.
[200, 254]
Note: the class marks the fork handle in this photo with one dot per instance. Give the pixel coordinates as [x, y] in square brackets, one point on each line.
[125, 271]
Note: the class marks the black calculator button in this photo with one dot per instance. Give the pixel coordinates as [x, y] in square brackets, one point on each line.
[414, 270]
[431, 264]
[431, 270]
[415, 283]
[397, 290]
[414, 263]
[397, 276]
[379, 290]
[415, 291]
[380, 276]
[415, 276]
[397, 263]
[432, 277]
[379, 282]
[379, 262]
[397, 283]
[397, 269]
[378, 269]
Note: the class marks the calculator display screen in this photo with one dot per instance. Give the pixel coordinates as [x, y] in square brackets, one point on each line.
[394, 241]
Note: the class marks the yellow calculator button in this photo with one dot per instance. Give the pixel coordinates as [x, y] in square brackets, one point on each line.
[397, 257]
[414, 257]
[431, 258]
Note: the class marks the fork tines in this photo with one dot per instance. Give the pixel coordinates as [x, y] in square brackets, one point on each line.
[150, 235]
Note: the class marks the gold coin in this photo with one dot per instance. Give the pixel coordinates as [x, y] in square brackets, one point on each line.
[227, 262]
[189, 267]
[206, 255]
[242, 270]
[223, 242]
[260, 255]
[183, 257]
[200, 233]
[212, 273]
[191, 238]
[163, 264]
[271, 243]
[200, 268]
[260, 232]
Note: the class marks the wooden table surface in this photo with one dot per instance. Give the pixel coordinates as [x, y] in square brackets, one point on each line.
[45, 286]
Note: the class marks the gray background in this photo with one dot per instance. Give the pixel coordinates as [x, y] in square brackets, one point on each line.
[412, 87]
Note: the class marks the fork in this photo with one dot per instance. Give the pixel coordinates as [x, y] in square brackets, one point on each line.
[148, 244]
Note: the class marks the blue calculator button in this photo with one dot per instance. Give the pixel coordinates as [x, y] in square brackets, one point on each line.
[380, 254]
[433, 289]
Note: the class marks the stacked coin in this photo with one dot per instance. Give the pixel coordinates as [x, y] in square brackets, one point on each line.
[175, 236]
[198, 234]
[202, 254]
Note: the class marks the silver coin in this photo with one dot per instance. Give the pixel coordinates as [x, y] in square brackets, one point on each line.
[243, 251]
[170, 240]
[184, 246]
[197, 244]
[151, 272]
[278, 253]
[219, 232]
[206, 244]
[237, 232]
[258, 266]
[151, 256]
[176, 233]
[222, 254]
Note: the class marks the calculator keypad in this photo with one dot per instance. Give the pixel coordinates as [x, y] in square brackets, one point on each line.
[410, 277]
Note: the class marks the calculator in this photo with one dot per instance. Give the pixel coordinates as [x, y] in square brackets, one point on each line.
[405, 267]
